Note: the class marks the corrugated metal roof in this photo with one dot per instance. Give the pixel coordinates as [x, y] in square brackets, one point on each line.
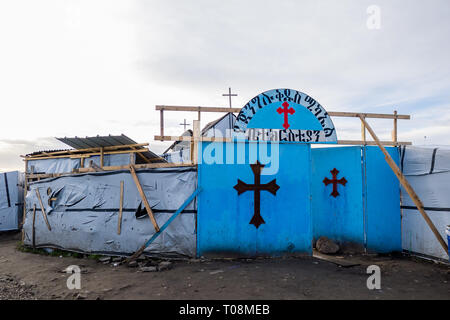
[97, 142]
[107, 141]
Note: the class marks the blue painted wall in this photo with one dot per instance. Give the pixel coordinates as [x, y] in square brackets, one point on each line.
[223, 216]
[382, 202]
[339, 218]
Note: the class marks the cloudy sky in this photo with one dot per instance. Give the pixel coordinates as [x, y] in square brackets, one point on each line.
[79, 68]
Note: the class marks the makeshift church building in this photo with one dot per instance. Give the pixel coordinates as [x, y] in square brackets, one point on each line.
[261, 191]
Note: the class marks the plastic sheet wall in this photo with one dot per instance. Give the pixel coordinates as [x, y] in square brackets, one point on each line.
[428, 171]
[11, 200]
[84, 216]
[66, 165]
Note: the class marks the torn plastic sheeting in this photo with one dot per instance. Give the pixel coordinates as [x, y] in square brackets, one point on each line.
[103, 193]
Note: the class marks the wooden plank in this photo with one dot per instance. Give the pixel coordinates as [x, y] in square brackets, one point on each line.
[43, 209]
[161, 121]
[136, 166]
[404, 182]
[180, 209]
[333, 259]
[144, 198]
[394, 132]
[373, 143]
[196, 133]
[87, 155]
[102, 156]
[348, 142]
[237, 110]
[363, 133]
[119, 226]
[97, 149]
[33, 230]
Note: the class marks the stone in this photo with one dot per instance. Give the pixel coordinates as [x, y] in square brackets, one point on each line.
[81, 296]
[164, 265]
[327, 246]
[105, 259]
[133, 264]
[148, 269]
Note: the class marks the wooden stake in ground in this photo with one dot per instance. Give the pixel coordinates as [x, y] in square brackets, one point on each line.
[144, 198]
[415, 198]
[34, 219]
[43, 209]
[119, 226]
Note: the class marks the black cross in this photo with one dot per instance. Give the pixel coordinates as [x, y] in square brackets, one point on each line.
[272, 187]
[229, 95]
[184, 124]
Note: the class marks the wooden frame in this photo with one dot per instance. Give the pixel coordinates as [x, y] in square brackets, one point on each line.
[395, 116]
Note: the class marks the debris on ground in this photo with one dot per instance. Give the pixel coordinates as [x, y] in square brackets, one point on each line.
[12, 289]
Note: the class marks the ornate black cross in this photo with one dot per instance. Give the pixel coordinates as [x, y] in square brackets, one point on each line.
[335, 182]
[257, 187]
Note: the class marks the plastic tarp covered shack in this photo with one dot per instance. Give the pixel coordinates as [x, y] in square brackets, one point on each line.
[428, 171]
[11, 200]
[83, 212]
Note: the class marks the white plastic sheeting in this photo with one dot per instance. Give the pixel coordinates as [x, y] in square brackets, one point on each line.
[66, 165]
[428, 171]
[11, 198]
[84, 216]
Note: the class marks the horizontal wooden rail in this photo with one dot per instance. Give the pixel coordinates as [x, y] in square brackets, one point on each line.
[237, 110]
[87, 155]
[76, 151]
[217, 139]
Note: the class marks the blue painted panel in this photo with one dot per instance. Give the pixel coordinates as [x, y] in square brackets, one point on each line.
[339, 218]
[383, 202]
[223, 215]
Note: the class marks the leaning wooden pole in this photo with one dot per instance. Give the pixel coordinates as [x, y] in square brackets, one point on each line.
[404, 182]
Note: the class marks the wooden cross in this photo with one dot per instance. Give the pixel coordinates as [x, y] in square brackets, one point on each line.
[286, 112]
[184, 124]
[229, 95]
[257, 187]
[335, 182]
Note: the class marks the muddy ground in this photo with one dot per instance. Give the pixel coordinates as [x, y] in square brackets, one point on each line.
[25, 275]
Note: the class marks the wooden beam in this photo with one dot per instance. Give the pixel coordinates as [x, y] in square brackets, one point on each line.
[119, 226]
[144, 198]
[404, 182]
[214, 139]
[196, 134]
[97, 149]
[394, 132]
[102, 151]
[42, 208]
[33, 229]
[237, 110]
[87, 155]
[161, 121]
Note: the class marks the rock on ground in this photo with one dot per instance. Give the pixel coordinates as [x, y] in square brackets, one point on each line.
[327, 246]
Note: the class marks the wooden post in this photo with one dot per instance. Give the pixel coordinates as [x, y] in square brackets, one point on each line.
[82, 162]
[34, 232]
[119, 226]
[363, 132]
[144, 198]
[101, 157]
[161, 121]
[394, 132]
[42, 208]
[196, 132]
[404, 182]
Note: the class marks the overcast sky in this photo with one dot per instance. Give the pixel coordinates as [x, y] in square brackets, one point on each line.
[81, 68]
